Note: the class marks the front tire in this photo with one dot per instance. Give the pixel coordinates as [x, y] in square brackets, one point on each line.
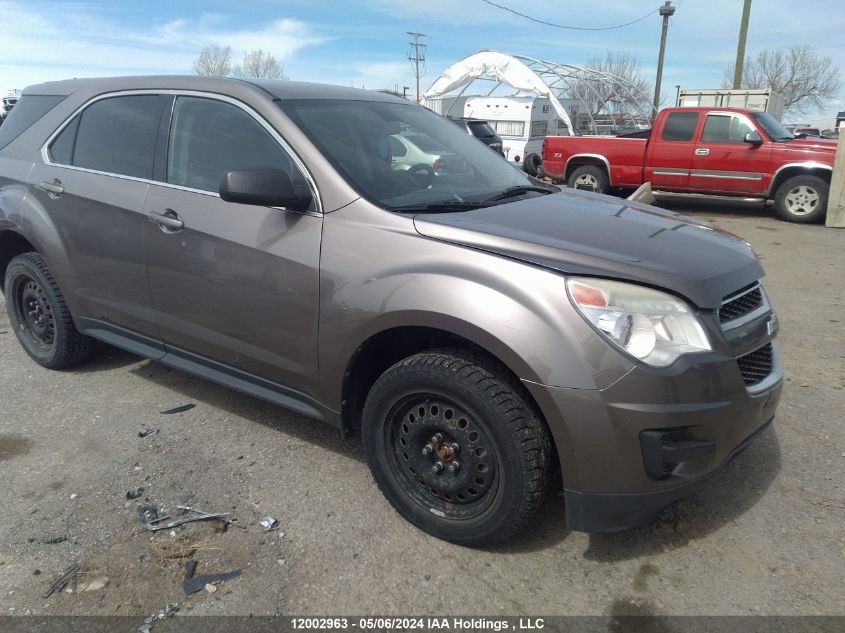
[802, 199]
[589, 178]
[455, 448]
[40, 317]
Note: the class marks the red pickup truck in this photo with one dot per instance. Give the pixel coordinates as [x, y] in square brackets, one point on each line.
[709, 151]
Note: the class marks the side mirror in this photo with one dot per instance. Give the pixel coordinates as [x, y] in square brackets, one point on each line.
[264, 187]
[753, 137]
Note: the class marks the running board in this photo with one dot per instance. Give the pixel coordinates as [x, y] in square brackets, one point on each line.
[706, 196]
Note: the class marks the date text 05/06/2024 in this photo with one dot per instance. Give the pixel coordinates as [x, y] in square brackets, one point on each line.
[416, 623]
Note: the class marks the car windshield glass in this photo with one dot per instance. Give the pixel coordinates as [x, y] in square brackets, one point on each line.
[437, 160]
[774, 129]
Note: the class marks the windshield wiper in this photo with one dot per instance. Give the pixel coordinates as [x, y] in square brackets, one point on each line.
[443, 206]
[510, 192]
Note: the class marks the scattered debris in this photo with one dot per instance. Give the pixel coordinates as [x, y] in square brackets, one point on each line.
[184, 407]
[37, 572]
[157, 523]
[63, 580]
[269, 523]
[190, 569]
[54, 540]
[198, 583]
[147, 432]
[95, 585]
[74, 496]
[148, 514]
[150, 620]
[210, 588]
[135, 494]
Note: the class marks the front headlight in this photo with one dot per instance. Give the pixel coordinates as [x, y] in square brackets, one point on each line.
[650, 325]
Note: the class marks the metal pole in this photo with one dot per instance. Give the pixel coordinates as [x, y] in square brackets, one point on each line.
[836, 198]
[666, 11]
[740, 47]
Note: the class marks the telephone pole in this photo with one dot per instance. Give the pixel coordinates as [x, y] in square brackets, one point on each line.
[740, 47]
[667, 10]
[418, 57]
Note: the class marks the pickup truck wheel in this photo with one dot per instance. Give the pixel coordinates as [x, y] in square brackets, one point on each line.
[455, 448]
[802, 199]
[40, 317]
[589, 178]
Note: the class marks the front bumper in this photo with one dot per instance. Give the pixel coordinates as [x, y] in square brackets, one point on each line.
[702, 397]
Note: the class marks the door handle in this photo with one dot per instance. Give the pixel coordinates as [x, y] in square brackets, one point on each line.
[702, 151]
[53, 189]
[168, 220]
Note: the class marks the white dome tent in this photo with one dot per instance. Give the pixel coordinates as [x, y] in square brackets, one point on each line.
[605, 100]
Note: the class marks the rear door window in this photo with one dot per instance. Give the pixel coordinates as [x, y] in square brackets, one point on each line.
[27, 111]
[679, 126]
[117, 135]
[209, 137]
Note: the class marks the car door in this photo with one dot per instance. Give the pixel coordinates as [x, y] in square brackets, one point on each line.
[92, 184]
[231, 283]
[724, 162]
[670, 156]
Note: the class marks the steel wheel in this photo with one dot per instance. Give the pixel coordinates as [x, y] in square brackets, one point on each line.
[40, 316]
[802, 200]
[443, 454]
[34, 313]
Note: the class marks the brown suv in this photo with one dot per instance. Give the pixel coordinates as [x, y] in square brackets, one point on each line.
[482, 332]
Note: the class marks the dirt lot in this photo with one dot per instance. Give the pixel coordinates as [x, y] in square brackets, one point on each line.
[765, 536]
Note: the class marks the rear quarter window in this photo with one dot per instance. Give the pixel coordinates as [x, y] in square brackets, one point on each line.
[679, 126]
[27, 111]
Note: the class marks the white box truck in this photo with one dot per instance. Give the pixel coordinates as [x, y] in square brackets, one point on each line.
[763, 100]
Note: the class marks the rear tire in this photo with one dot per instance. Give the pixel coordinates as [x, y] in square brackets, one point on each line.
[455, 448]
[40, 317]
[802, 199]
[589, 178]
[532, 165]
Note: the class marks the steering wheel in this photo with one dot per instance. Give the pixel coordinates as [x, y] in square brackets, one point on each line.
[418, 176]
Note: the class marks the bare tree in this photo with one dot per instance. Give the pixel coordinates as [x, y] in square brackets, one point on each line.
[259, 64]
[616, 89]
[805, 80]
[214, 61]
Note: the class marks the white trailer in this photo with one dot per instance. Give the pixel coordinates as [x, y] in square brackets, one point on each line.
[762, 100]
[522, 122]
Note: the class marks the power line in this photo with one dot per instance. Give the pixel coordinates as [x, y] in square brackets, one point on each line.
[564, 26]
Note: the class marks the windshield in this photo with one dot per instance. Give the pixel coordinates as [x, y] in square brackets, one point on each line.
[774, 129]
[401, 156]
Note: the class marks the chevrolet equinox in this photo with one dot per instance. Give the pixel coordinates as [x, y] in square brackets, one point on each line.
[481, 331]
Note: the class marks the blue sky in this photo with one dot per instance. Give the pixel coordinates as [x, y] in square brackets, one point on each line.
[364, 43]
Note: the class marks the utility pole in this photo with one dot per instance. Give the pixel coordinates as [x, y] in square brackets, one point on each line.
[740, 46]
[418, 56]
[667, 10]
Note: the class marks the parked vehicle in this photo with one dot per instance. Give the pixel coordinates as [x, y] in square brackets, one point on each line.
[8, 103]
[745, 99]
[481, 130]
[722, 151]
[476, 331]
[808, 131]
[411, 149]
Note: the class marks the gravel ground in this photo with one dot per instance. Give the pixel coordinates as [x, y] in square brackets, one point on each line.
[764, 537]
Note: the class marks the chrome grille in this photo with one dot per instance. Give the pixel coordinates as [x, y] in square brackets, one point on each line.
[757, 365]
[736, 306]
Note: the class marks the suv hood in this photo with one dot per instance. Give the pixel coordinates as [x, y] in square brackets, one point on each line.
[589, 234]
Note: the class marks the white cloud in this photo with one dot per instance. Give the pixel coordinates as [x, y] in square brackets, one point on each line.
[39, 45]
